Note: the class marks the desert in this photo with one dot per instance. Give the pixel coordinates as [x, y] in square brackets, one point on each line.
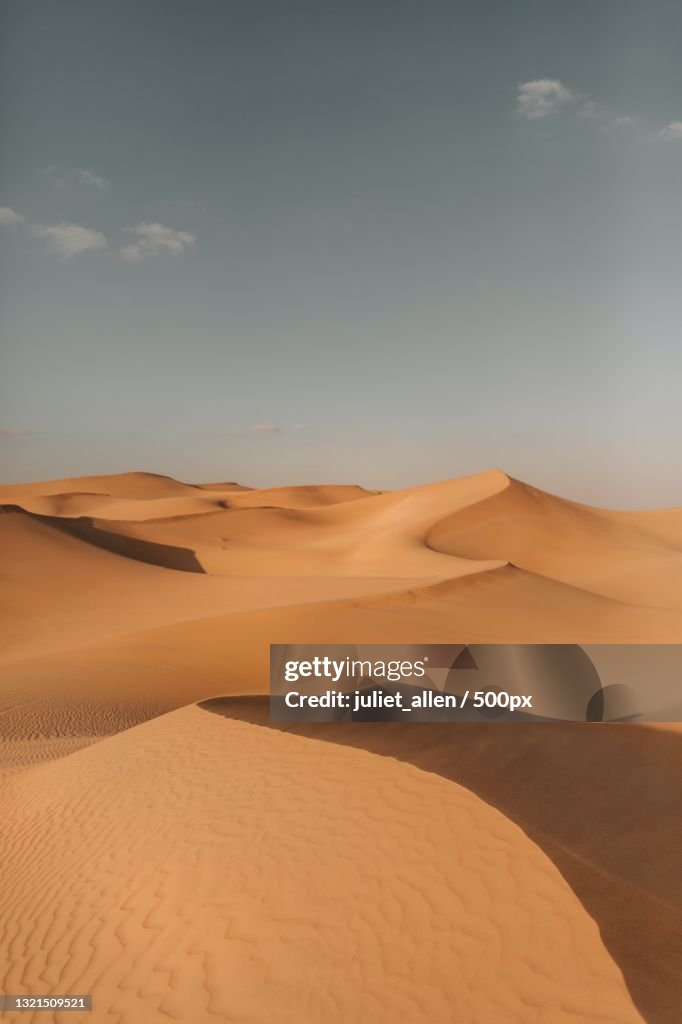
[340, 512]
[169, 849]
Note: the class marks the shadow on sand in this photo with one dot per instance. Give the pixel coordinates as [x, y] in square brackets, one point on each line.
[166, 556]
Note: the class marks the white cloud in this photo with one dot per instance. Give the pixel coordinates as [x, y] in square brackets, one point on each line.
[620, 122]
[153, 239]
[87, 177]
[265, 428]
[9, 216]
[672, 132]
[542, 98]
[70, 239]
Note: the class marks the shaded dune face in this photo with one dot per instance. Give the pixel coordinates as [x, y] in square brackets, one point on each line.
[545, 891]
[167, 556]
[600, 801]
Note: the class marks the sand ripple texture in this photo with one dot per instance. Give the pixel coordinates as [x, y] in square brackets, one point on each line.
[199, 869]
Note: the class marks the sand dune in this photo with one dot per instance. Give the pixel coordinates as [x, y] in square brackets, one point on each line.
[176, 608]
[564, 786]
[627, 557]
[134, 486]
[230, 485]
[126, 504]
[209, 656]
[72, 506]
[209, 869]
[378, 535]
[127, 597]
[293, 542]
[61, 592]
[299, 497]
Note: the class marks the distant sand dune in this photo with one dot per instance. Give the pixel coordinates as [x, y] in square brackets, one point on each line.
[106, 507]
[619, 555]
[118, 485]
[300, 497]
[362, 570]
[58, 591]
[230, 485]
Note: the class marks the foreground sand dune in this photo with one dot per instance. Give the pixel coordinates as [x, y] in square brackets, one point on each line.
[601, 801]
[192, 855]
[209, 869]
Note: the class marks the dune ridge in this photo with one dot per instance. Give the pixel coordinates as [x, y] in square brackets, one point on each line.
[618, 555]
[219, 876]
[576, 808]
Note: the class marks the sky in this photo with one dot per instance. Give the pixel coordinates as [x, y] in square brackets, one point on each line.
[382, 241]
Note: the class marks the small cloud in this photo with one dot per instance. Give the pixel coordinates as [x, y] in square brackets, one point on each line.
[671, 133]
[153, 239]
[70, 239]
[622, 122]
[265, 428]
[9, 216]
[542, 97]
[87, 177]
[299, 426]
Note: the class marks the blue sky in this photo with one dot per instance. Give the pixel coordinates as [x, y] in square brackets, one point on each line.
[381, 242]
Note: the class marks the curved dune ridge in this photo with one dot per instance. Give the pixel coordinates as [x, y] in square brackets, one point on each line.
[193, 854]
[213, 870]
[601, 802]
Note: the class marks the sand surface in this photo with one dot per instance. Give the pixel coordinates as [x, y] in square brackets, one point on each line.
[191, 863]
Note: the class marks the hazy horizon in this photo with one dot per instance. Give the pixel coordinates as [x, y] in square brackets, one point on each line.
[305, 243]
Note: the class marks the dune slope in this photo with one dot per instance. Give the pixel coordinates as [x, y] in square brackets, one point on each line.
[628, 557]
[196, 869]
[600, 801]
